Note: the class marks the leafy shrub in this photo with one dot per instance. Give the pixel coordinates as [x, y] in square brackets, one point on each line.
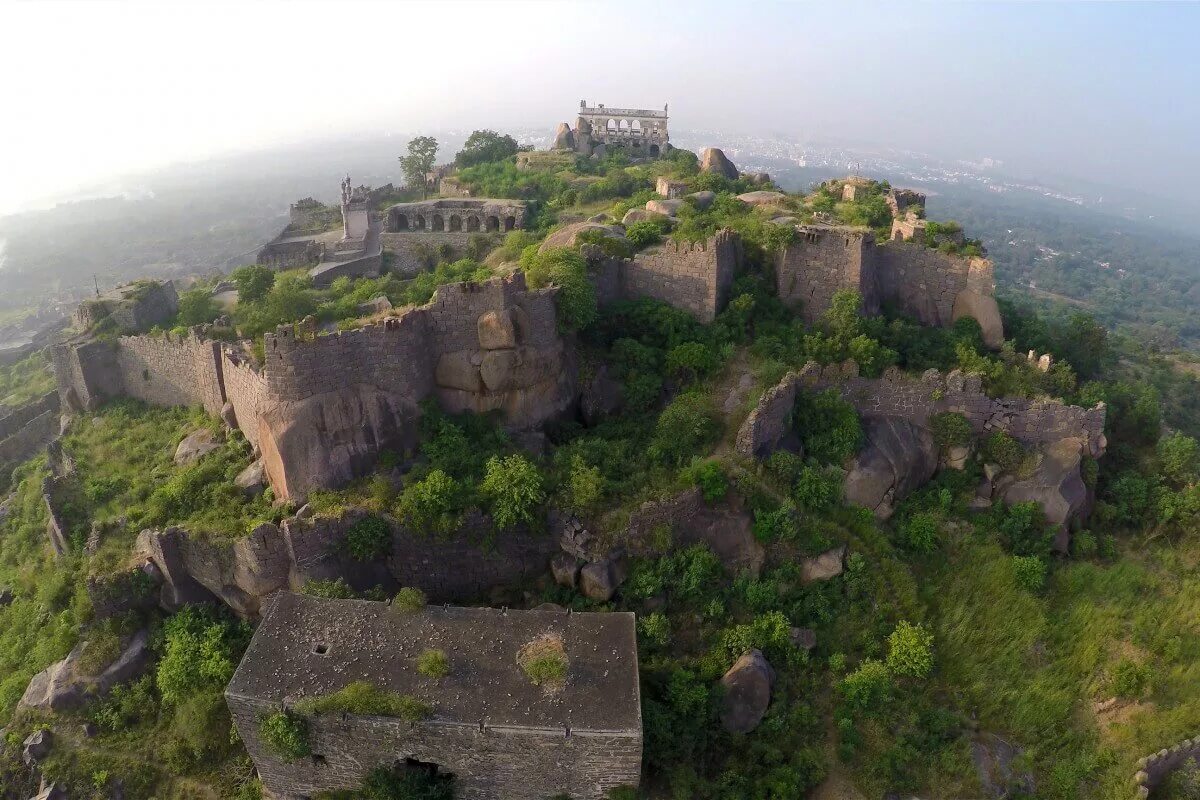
[1029, 572]
[920, 532]
[692, 360]
[612, 246]
[1179, 458]
[785, 465]
[1084, 544]
[654, 629]
[910, 651]
[1130, 679]
[409, 600]
[710, 478]
[544, 661]
[513, 487]
[362, 697]
[253, 282]
[432, 504]
[286, 734]
[770, 632]
[433, 663]
[950, 429]
[774, 525]
[816, 489]
[200, 650]
[684, 427]
[406, 784]
[1023, 529]
[827, 425]
[369, 539]
[585, 485]
[1003, 450]
[196, 307]
[646, 232]
[565, 268]
[335, 589]
[867, 687]
[126, 706]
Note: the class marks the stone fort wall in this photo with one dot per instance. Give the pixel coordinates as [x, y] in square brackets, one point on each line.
[694, 277]
[489, 762]
[246, 391]
[413, 249]
[1032, 422]
[1156, 767]
[171, 370]
[924, 283]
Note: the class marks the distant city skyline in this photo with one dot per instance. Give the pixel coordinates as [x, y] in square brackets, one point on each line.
[1099, 91]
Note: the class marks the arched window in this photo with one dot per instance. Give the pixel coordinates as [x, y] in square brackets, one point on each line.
[455, 222]
[612, 125]
[439, 224]
[636, 126]
[624, 125]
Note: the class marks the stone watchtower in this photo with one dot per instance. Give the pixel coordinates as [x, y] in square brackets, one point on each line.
[498, 734]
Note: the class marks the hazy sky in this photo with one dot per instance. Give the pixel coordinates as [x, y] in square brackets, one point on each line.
[93, 88]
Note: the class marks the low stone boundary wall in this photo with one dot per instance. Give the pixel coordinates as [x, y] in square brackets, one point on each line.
[1154, 768]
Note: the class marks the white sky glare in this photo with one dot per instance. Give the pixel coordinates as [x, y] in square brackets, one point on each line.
[92, 89]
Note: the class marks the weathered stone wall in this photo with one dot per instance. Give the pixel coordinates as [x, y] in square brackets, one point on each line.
[924, 283]
[413, 250]
[171, 370]
[291, 254]
[822, 261]
[28, 428]
[489, 762]
[86, 372]
[934, 287]
[246, 389]
[896, 395]
[1154, 768]
[693, 277]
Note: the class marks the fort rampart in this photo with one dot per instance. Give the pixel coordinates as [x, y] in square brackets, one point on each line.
[933, 287]
[1030, 421]
[695, 277]
[25, 429]
[323, 407]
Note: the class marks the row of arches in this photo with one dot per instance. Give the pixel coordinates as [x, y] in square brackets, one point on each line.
[455, 223]
[631, 126]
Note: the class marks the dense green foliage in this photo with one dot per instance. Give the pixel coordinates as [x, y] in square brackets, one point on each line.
[362, 697]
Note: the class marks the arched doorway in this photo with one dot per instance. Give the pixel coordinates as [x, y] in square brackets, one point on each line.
[455, 222]
[492, 223]
[420, 222]
[654, 150]
[472, 223]
[510, 223]
[439, 224]
[401, 222]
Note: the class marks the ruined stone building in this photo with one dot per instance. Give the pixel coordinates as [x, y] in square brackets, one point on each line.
[322, 407]
[132, 307]
[641, 132]
[498, 734]
[412, 231]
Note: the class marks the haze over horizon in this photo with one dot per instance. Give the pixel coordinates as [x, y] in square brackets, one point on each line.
[1050, 89]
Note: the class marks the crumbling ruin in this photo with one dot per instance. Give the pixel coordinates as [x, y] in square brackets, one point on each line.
[641, 132]
[498, 734]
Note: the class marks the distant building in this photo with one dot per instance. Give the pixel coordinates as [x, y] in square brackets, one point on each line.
[642, 132]
[502, 737]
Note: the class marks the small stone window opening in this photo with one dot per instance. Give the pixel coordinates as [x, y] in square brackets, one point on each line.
[321, 649]
[319, 760]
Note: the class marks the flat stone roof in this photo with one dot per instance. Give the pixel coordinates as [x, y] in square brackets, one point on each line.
[364, 640]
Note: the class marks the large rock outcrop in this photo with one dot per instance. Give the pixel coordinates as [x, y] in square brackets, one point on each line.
[328, 439]
[1056, 484]
[983, 309]
[63, 685]
[897, 458]
[747, 685]
[564, 138]
[713, 160]
[460, 567]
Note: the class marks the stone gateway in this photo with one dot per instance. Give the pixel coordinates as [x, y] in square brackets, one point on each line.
[498, 734]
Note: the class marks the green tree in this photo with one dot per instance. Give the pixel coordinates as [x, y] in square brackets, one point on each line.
[910, 651]
[1179, 458]
[253, 282]
[867, 687]
[422, 151]
[433, 504]
[685, 426]
[565, 268]
[196, 307]
[483, 146]
[514, 489]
